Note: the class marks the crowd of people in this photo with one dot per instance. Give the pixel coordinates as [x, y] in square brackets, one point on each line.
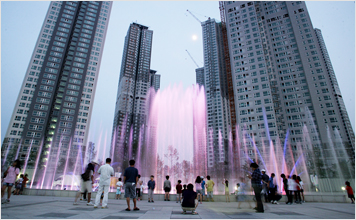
[132, 185]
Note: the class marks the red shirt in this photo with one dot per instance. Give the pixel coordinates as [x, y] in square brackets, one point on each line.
[179, 188]
[349, 190]
[297, 181]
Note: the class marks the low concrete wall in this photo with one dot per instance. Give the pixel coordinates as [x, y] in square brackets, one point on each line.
[309, 197]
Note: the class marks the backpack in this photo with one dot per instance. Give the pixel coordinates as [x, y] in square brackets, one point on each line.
[86, 175]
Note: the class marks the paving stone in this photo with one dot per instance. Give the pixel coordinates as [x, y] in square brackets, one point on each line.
[56, 215]
[120, 217]
[286, 213]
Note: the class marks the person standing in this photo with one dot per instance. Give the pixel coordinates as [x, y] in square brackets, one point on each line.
[292, 187]
[198, 188]
[86, 184]
[227, 192]
[9, 180]
[179, 191]
[256, 179]
[272, 190]
[24, 182]
[151, 187]
[209, 189]
[301, 184]
[130, 180]
[138, 187]
[203, 186]
[106, 172]
[265, 179]
[286, 187]
[18, 185]
[298, 199]
[119, 185]
[167, 188]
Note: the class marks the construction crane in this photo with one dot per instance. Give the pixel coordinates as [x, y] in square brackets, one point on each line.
[194, 16]
[192, 59]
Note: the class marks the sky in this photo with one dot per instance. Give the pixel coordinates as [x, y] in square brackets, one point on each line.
[174, 32]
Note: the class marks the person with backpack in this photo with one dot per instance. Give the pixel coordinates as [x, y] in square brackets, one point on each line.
[86, 184]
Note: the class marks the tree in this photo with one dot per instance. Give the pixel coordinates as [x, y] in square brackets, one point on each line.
[186, 170]
[172, 156]
[159, 167]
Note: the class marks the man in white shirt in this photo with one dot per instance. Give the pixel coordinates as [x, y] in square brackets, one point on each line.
[106, 172]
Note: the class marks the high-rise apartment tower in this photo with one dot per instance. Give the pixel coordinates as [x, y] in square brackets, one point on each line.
[50, 123]
[134, 84]
[215, 84]
[280, 66]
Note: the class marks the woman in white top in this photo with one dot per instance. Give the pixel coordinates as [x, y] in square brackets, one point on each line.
[199, 189]
[292, 187]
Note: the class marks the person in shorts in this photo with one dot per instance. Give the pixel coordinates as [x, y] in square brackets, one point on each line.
[209, 188]
[203, 187]
[130, 180]
[9, 179]
[119, 185]
[167, 188]
[199, 189]
[86, 185]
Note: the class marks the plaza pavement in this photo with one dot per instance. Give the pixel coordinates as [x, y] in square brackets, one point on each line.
[37, 207]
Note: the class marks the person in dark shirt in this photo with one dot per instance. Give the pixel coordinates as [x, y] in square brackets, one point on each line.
[265, 179]
[285, 186]
[151, 187]
[184, 188]
[256, 183]
[189, 200]
[130, 180]
[179, 191]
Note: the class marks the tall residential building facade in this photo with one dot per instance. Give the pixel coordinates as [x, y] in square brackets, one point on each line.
[215, 82]
[134, 84]
[50, 123]
[280, 66]
[199, 76]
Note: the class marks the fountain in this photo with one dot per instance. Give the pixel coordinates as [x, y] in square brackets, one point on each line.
[175, 141]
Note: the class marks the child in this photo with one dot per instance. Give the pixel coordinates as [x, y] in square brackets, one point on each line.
[141, 190]
[350, 193]
[119, 185]
[226, 184]
[18, 185]
[138, 188]
[151, 187]
[179, 191]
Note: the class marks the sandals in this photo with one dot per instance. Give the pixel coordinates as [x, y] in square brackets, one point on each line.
[194, 213]
[136, 209]
[128, 209]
